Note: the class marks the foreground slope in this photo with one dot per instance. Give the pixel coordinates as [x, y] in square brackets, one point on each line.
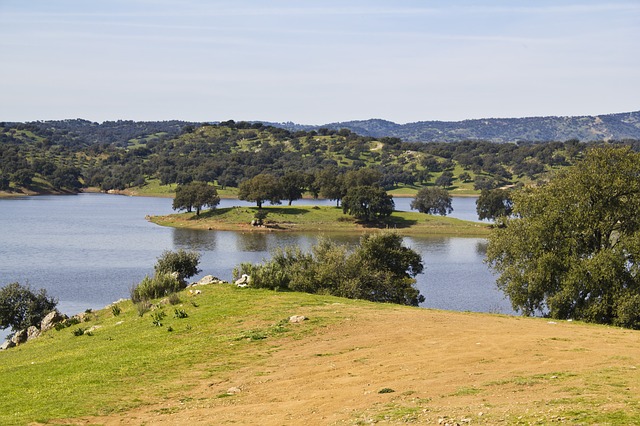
[236, 360]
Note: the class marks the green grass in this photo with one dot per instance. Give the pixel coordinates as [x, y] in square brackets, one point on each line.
[128, 362]
[321, 218]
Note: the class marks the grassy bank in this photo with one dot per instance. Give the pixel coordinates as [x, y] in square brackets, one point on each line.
[235, 358]
[319, 218]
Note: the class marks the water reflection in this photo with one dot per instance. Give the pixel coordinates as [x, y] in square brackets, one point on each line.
[189, 239]
[252, 241]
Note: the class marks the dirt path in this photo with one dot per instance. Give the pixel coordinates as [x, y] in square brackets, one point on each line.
[443, 368]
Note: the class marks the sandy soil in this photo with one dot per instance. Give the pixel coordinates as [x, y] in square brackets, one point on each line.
[443, 368]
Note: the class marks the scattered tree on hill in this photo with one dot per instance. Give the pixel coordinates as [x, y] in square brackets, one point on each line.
[368, 203]
[21, 308]
[494, 203]
[379, 269]
[261, 188]
[465, 177]
[571, 249]
[445, 179]
[432, 201]
[195, 195]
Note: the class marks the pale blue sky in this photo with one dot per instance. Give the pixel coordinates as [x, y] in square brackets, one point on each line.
[316, 62]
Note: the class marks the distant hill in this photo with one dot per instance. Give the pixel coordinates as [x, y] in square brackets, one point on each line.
[584, 128]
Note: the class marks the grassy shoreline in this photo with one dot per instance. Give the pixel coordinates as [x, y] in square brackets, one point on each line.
[319, 219]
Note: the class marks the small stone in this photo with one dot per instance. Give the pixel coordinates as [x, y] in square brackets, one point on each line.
[296, 319]
[234, 390]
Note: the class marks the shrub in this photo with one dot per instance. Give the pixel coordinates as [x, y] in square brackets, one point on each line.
[143, 307]
[174, 299]
[115, 310]
[180, 313]
[183, 263]
[380, 269]
[152, 288]
[157, 318]
[67, 323]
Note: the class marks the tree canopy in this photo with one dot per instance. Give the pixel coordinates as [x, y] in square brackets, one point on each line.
[493, 203]
[368, 203]
[571, 250]
[195, 195]
[432, 201]
[260, 188]
[20, 307]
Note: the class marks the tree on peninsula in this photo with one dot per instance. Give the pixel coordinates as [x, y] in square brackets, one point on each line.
[571, 249]
[195, 195]
[368, 203]
[261, 188]
[293, 185]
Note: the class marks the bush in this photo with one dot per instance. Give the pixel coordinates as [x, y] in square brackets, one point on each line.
[67, 323]
[21, 308]
[380, 269]
[183, 263]
[160, 285]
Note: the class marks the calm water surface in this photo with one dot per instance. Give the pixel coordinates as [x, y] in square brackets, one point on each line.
[88, 250]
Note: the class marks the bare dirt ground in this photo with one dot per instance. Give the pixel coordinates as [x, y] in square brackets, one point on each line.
[394, 366]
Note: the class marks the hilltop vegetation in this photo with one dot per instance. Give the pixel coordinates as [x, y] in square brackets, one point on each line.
[67, 156]
[584, 128]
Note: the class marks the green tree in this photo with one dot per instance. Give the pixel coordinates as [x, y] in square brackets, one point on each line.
[369, 203]
[21, 308]
[464, 177]
[195, 195]
[494, 203]
[445, 179]
[261, 188]
[330, 184]
[182, 263]
[571, 249]
[432, 201]
[293, 185]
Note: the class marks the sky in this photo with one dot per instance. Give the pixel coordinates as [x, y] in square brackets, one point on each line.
[316, 62]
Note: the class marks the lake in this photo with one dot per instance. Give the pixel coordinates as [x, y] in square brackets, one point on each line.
[88, 250]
